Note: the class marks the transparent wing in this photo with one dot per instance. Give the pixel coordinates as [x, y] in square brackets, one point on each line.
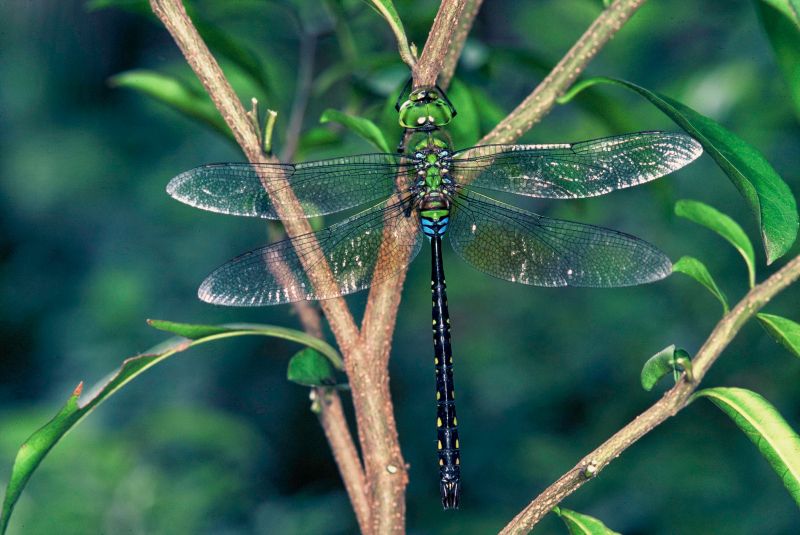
[274, 274]
[322, 187]
[584, 169]
[523, 247]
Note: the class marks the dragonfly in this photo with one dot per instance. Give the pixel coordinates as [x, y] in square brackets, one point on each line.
[430, 192]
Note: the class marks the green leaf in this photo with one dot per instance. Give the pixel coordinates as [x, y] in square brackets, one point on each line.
[204, 332]
[175, 94]
[359, 125]
[580, 524]
[786, 332]
[308, 367]
[766, 428]
[790, 9]
[697, 270]
[668, 360]
[465, 130]
[37, 446]
[713, 219]
[387, 10]
[768, 196]
[784, 36]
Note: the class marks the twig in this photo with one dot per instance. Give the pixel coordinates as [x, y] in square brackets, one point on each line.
[669, 405]
[539, 103]
[334, 423]
[463, 27]
[436, 48]
[174, 17]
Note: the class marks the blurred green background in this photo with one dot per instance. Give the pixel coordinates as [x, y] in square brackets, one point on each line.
[216, 440]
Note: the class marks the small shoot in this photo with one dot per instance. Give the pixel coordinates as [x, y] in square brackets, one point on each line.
[668, 360]
[711, 218]
[309, 367]
[785, 331]
[695, 269]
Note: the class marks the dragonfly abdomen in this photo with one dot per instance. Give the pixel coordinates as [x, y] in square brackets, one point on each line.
[446, 421]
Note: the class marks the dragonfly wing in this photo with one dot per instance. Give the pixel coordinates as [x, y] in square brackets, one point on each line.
[584, 169]
[322, 187]
[527, 248]
[274, 274]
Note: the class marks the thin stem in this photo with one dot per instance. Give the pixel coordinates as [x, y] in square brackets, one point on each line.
[334, 424]
[463, 27]
[436, 48]
[539, 103]
[669, 405]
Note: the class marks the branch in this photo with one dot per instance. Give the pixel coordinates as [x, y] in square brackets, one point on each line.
[670, 404]
[174, 17]
[539, 103]
[464, 25]
[439, 39]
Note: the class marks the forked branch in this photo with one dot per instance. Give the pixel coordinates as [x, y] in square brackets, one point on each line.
[670, 404]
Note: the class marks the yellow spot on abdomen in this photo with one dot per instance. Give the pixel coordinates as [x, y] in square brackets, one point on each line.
[438, 422]
[439, 445]
[455, 420]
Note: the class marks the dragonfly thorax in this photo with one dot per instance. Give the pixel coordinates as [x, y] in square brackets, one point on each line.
[432, 186]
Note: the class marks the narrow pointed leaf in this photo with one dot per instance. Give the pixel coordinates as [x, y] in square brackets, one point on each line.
[175, 94]
[657, 366]
[766, 428]
[198, 332]
[786, 332]
[713, 219]
[358, 125]
[697, 270]
[387, 10]
[767, 195]
[78, 406]
[309, 367]
[789, 9]
[581, 524]
[783, 32]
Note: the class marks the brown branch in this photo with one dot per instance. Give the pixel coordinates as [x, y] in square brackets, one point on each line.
[436, 47]
[539, 103]
[669, 405]
[463, 27]
[174, 17]
[334, 423]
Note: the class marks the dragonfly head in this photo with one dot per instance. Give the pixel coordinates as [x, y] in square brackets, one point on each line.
[426, 108]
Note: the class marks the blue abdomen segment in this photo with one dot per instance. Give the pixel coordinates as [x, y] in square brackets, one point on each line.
[434, 227]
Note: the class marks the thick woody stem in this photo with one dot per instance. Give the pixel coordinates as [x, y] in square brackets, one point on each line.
[669, 405]
[439, 39]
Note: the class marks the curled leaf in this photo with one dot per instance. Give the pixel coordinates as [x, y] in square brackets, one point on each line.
[668, 360]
